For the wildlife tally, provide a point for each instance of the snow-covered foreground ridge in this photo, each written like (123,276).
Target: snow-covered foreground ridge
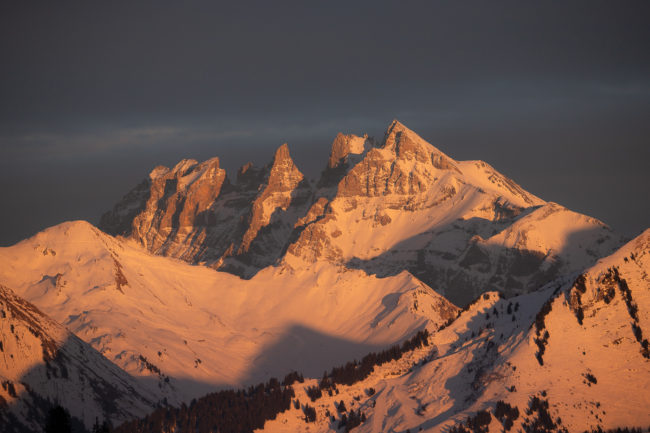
(540,362)
(43,364)
(594,372)
(192,328)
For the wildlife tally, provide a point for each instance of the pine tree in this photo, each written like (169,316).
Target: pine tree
(58,421)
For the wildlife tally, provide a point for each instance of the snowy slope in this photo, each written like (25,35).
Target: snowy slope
(594,374)
(42,364)
(191,328)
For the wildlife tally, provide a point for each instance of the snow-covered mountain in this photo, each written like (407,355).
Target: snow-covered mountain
(190,329)
(197,283)
(576,350)
(459,226)
(42,364)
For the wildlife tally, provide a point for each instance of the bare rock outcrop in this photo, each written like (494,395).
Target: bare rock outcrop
(193,212)
(404,165)
(179,206)
(285,183)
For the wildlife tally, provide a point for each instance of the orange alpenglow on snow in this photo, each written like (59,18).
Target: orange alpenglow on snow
(195,283)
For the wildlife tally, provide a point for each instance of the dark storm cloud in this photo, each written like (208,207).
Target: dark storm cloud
(93,95)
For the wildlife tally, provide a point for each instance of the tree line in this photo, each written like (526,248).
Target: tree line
(228,411)
(244,410)
(356,371)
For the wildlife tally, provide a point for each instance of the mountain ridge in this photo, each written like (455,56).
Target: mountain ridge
(206,284)
(542,353)
(203,329)
(371,200)
(529,363)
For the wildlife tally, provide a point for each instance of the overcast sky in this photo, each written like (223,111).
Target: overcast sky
(93,95)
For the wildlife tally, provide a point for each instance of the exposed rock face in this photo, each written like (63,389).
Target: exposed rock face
(178,207)
(344,148)
(460,226)
(283,186)
(405,165)
(193,212)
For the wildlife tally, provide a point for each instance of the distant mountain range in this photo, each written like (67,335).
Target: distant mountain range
(459,226)
(195,283)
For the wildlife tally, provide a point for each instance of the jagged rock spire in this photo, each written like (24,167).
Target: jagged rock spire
(283,179)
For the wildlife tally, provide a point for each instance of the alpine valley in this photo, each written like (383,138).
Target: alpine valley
(436,295)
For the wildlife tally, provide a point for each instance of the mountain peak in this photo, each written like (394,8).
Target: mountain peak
(276,194)
(184,165)
(344,145)
(158,171)
(284,174)
(396,126)
(281,154)
(397,129)
(408,145)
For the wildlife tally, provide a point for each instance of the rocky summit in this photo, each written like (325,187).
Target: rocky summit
(400,204)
